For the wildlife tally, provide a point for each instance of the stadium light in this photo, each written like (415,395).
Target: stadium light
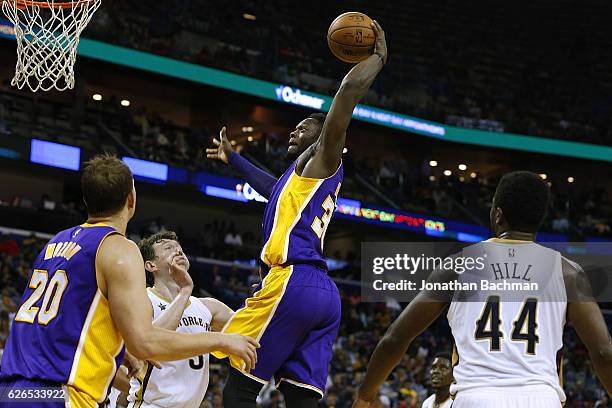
(248,16)
(125,102)
(250,138)
(544,176)
(433,163)
(462,179)
(233,143)
(247,129)
(570,179)
(473,174)
(97,97)
(462,167)
(447,172)
(345,150)
(432,178)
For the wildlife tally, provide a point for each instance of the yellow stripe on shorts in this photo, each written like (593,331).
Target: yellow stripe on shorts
(259,309)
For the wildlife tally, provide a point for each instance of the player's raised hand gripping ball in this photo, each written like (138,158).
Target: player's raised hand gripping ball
(351,37)
(380,46)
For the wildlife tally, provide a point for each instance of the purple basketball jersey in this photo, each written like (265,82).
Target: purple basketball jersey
(63,332)
(296,218)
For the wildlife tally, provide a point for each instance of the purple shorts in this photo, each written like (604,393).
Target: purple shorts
(295,316)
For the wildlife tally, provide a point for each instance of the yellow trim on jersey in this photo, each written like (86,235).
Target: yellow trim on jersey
(302,385)
(153,290)
(295,196)
(313,178)
(94,365)
(143,379)
(509,241)
(253,319)
(561,373)
(159,295)
(255,378)
(97,224)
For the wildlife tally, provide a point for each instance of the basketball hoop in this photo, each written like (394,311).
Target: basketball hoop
(47,34)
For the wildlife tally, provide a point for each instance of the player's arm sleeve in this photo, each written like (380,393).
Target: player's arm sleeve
(586,317)
(260,180)
(170,318)
(120,263)
(353,88)
(221,313)
(418,315)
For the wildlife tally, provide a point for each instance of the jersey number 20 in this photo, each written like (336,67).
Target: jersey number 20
(524,328)
(52,291)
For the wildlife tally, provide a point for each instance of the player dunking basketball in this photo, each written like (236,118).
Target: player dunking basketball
(295,314)
(506,344)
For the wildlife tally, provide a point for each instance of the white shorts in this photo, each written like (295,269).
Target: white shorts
(531,396)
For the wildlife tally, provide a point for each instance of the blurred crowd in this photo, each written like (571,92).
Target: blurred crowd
(531,68)
(362,326)
(576,211)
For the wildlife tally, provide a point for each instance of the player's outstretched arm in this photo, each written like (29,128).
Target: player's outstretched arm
(122,277)
(418,315)
(353,88)
(584,313)
(221,313)
(260,180)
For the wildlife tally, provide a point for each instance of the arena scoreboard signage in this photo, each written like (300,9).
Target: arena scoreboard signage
(147,169)
(294,96)
(355,210)
(55,154)
(213,185)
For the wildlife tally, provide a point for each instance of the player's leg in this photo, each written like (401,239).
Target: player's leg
(304,374)
(240,391)
(299,397)
(275,315)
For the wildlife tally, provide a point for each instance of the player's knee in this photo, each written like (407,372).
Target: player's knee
(299,397)
(240,391)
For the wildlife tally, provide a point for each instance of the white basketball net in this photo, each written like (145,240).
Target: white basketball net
(47,33)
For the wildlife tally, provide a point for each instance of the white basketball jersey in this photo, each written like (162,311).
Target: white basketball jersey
(513,342)
(431,403)
(178,384)
(112,398)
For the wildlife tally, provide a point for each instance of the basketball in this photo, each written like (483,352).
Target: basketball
(350,37)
